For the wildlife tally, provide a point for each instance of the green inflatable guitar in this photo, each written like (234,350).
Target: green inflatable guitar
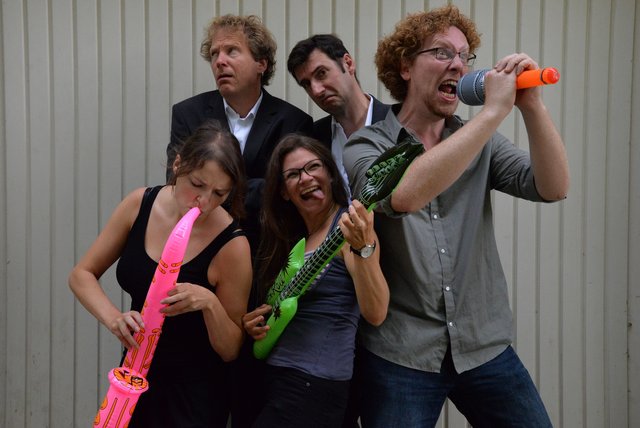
(293,281)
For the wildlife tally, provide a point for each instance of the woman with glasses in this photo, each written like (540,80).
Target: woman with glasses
(309,369)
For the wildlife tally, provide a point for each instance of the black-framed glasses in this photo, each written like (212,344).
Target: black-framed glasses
(447,55)
(312,167)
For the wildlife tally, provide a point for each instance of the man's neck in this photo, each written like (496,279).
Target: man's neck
(243,103)
(355,114)
(428,128)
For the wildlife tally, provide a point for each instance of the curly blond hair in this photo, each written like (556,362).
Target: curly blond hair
(401,46)
(260,40)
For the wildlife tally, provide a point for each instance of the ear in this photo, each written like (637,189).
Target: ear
(405,72)
(176,164)
(262,65)
(349,63)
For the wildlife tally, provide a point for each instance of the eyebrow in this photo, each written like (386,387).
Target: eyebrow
(304,82)
(204,183)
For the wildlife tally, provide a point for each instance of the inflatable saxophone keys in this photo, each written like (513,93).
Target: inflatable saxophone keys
(383,177)
(128,382)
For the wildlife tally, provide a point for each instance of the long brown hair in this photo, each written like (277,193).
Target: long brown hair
(282,224)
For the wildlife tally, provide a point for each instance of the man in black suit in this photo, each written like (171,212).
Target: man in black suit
(324,68)
(241,51)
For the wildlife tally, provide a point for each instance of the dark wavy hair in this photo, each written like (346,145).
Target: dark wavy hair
(260,40)
(401,46)
(282,224)
(212,142)
(328,44)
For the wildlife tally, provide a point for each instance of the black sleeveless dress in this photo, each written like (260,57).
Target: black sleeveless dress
(186,374)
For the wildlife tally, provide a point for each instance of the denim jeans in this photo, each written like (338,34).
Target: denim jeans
(499,393)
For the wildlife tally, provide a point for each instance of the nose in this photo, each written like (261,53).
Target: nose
(219,60)
(304,175)
(203,199)
(457,63)
(316,88)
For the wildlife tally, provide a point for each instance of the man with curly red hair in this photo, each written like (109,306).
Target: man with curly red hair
(449,327)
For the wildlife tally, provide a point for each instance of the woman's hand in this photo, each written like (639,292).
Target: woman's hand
(186,297)
(125,325)
(357,225)
(254,322)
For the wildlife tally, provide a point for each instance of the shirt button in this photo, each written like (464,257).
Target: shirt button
(450,323)
(447,288)
(435,216)
(442,250)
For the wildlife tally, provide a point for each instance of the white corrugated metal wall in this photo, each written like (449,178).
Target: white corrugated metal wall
(85,99)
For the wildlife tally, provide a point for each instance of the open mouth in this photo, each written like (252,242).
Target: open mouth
(448,89)
(309,192)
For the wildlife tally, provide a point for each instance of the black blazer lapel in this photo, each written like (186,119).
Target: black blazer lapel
(380,111)
(215,110)
(260,130)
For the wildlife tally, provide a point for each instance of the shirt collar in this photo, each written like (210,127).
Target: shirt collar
(233,115)
(335,125)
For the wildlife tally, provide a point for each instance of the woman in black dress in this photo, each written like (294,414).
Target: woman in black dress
(203,326)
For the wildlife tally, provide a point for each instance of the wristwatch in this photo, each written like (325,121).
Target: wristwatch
(365,251)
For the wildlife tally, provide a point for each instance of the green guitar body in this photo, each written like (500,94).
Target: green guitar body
(292,282)
(283,311)
(277,322)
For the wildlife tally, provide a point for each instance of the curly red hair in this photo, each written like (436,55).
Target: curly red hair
(401,46)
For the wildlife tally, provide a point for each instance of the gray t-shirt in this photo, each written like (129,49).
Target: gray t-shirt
(441,262)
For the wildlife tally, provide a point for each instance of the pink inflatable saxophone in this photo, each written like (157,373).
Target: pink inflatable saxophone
(129,380)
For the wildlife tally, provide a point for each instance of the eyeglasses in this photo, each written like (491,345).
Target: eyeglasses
(447,55)
(312,167)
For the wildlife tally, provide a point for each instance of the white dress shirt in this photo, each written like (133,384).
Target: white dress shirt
(241,126)
(339,139)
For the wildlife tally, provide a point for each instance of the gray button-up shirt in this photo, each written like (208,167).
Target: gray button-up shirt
(441,262)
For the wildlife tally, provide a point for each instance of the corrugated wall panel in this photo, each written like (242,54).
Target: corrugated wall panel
(549,241)
(617,203)
(3,235)
(62,233)
(594,213)
(16,149)
(572,316)
(633,302)
(85,99)
(85,214)
(38,214)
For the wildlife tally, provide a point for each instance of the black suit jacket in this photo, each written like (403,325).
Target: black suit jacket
(274,119)
(322,127)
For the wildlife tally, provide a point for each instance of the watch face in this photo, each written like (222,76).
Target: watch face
(367,251)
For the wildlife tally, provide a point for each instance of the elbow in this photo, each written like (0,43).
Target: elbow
(71,281)
(557,194)
(375,318)
(557,197)
(407,204)
(228,355)
(377,321)
(227,351)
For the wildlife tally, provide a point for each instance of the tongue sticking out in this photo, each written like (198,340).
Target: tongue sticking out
(315,193)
